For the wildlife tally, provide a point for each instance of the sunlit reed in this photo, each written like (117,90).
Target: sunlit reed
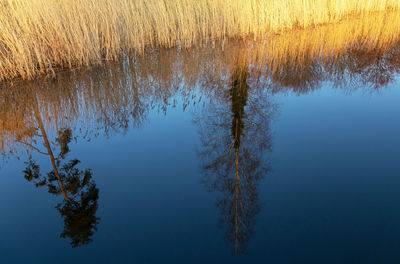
(40,37)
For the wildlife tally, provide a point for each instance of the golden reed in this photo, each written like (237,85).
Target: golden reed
(39,37)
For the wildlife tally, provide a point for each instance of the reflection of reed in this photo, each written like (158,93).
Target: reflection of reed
(300,60)
(104,98)
(365,50)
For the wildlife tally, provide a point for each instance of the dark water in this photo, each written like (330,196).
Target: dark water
(190,158)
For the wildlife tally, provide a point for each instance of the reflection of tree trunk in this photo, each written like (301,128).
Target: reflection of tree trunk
(236,227)
(50,152)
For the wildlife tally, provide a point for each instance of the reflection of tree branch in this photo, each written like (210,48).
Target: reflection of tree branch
(30,145)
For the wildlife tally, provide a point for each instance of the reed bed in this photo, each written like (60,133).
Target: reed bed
(39,37)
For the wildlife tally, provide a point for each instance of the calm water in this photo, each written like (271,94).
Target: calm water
(201,157)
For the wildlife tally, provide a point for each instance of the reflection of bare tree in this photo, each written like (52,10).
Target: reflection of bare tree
(80,193)
(234,134)
(299,78)
(375,67)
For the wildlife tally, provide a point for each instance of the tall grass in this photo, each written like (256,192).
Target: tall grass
(39,37)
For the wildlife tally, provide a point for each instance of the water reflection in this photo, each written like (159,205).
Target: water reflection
(234,132)
(79,206)
(236,83)
(375,67)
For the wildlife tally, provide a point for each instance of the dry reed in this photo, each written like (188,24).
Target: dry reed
(39,37)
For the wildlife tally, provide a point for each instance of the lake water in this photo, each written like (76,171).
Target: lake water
(224,154)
